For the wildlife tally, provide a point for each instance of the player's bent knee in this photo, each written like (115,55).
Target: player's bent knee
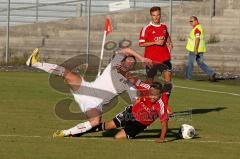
(94,122)
(72,77)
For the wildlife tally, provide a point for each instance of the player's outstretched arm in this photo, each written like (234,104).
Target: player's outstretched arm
(161,139)
(129,51)
(146,44)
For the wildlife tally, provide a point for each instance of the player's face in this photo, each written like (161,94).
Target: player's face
(156,15)
(154,95)
(128,63)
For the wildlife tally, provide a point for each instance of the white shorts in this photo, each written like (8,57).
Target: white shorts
(86,98)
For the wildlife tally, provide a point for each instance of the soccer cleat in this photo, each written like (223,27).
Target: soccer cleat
(58,134)
(33,58)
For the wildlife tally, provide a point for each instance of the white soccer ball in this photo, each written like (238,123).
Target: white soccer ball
(187,131)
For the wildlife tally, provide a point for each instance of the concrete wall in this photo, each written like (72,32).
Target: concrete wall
(220,5)
(61,40)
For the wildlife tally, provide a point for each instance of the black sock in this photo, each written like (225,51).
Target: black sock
(99,127)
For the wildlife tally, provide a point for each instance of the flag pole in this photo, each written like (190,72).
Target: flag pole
(101,56)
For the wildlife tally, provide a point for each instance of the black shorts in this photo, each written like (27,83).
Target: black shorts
(128,122)
(165,66)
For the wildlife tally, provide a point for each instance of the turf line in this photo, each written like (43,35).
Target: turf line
(206,90)
(23,136)
(135,140)
(153,140)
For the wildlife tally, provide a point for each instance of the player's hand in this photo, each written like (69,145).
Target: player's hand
(197,56)
(159,42)
(159,140)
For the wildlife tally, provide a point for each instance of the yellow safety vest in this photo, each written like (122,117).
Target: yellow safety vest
(191,40)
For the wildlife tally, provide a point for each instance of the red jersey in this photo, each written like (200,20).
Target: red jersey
(151,33)
(146,112)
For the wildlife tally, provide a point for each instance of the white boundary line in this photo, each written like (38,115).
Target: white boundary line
(23,136)
(206,90)
(135,140)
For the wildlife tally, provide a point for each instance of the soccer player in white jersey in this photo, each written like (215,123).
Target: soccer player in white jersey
(91,96)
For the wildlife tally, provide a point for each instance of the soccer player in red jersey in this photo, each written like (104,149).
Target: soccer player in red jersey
(157,42)
(134,119)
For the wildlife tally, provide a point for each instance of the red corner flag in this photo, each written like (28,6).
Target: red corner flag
(108,26)
(107,30)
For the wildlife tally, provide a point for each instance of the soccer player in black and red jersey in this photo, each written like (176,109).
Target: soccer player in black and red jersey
(157,42)
(134,119)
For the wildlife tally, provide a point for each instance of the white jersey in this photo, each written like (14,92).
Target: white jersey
(104,88)
(111,82)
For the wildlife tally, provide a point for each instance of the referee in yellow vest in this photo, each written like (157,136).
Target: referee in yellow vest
(196,46)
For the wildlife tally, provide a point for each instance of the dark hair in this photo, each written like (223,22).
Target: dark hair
(128,57)
(155,8)
(156,85)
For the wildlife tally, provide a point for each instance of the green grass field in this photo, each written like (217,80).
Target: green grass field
(28,120)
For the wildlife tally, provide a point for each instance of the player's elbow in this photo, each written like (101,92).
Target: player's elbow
(126,51)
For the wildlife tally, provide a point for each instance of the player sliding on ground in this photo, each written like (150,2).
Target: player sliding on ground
(91,96)
(134,119)
(148,107)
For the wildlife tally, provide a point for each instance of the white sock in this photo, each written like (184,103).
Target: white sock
(80,128)
(50,68)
